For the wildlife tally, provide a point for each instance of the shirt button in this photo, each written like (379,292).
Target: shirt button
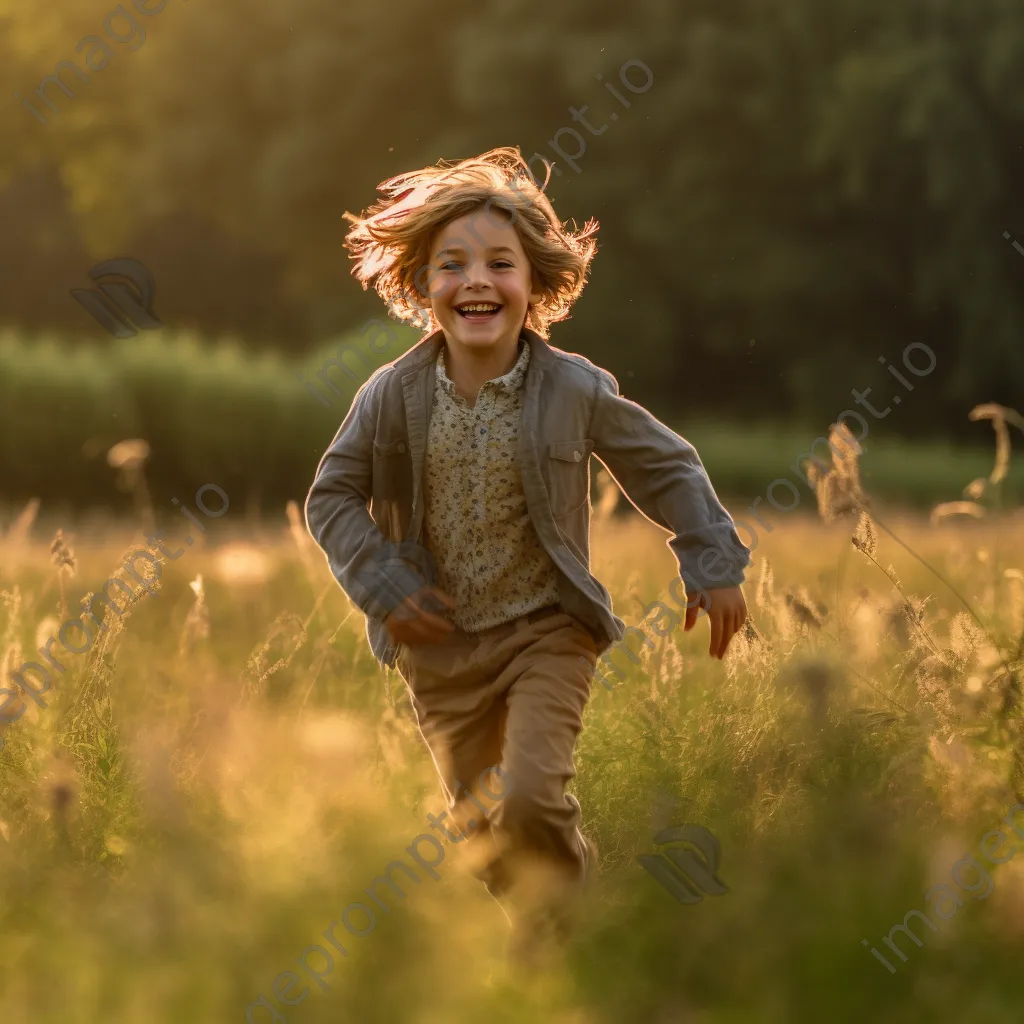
(576,456)
(401,447)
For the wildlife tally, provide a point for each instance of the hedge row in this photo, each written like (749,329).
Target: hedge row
(257,425)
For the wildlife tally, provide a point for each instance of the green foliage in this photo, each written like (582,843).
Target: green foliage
(216,413)
(211,414)
(803,188)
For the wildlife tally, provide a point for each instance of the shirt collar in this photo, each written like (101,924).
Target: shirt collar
(510,382)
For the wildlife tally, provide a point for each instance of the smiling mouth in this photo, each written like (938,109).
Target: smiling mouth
(478,310)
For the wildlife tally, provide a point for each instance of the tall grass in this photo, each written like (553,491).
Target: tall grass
(213,786)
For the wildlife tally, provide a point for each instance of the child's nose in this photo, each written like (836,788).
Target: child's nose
(477,273)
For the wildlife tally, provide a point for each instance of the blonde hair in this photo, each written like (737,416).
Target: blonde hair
(390,243)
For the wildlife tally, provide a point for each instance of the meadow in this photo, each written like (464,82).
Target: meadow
(227,769)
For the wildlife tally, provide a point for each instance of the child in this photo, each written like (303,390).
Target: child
(465,464)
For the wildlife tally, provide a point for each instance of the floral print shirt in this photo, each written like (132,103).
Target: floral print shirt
(489,557)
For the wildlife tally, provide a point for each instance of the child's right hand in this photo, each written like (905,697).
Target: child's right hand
(417,620)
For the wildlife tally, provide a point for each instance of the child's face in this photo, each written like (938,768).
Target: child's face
(478,260)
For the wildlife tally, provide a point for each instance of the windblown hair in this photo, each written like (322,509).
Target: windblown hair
(390,243)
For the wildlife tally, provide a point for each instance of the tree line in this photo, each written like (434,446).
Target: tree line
(795,189)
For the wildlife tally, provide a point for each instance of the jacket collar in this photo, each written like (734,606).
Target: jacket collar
(426,350)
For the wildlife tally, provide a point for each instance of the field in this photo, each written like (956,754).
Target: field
(227,769)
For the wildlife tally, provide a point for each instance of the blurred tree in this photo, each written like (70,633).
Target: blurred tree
(802,189)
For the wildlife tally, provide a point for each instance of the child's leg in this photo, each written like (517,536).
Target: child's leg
(461,714)
(537,825)
(514,695)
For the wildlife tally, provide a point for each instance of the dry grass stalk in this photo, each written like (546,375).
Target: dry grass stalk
(307,550)
(965,637)
(259,668)
(837,487)
(609,496)
(63,557)
(800,604)
(1000,416)
(846,453)
(22,525)
(956,508)
(765,595)
(89,722)
(864,537)
(197,622)
(10,600)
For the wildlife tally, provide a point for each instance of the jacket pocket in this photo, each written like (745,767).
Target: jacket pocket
(392,472)
(568,475)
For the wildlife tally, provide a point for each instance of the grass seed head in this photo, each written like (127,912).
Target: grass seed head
(864,537)
(765,594)
(800,606)
(62,554)
(846,453)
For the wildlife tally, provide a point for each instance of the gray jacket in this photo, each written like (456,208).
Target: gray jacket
(365,508)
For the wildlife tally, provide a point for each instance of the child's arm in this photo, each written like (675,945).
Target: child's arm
(662,476)
(374,573)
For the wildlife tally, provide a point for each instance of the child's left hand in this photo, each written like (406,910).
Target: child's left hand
(727,611)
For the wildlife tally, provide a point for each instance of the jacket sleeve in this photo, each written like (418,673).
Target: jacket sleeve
(663,477)
(375,573)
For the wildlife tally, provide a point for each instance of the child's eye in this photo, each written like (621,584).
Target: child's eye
(501,264)
(450,265)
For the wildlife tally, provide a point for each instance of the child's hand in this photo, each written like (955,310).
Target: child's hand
(417,620)
(727,612)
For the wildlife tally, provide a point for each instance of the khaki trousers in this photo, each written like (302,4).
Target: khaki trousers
(511,696)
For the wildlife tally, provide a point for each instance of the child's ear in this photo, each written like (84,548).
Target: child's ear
(536,294)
